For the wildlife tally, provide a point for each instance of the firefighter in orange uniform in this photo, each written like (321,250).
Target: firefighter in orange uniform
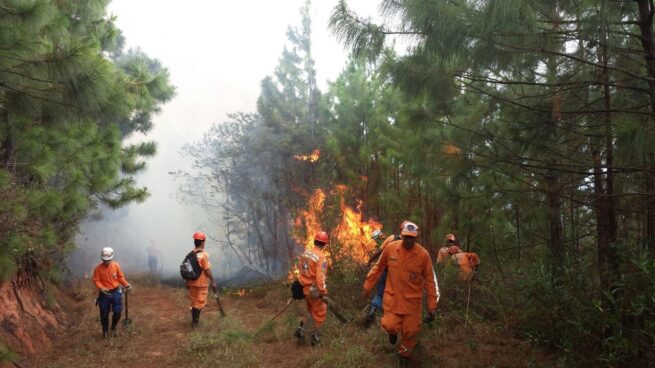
(452,244)
(409,273)
(387,240)
(453,254)
(376,301)
(108,278)
(313,269)
(468,263)
(199,288)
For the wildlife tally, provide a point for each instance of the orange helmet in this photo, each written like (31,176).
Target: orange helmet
(402,224)
(199,235)
(322,237)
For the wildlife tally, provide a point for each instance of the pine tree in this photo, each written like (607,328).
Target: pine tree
(255,181)
(68,97)
(550,100)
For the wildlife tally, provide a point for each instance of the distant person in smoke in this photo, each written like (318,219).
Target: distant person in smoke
(199,288)
(110,281)
(312,266)
(154,257)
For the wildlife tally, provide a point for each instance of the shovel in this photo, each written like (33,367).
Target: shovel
(220,306)
(127,321)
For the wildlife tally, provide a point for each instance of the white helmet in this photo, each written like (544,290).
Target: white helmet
(376,234)
(107,254)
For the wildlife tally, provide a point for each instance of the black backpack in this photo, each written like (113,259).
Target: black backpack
(190,268)
(296,291)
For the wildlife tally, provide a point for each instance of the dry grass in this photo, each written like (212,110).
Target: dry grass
(161,336)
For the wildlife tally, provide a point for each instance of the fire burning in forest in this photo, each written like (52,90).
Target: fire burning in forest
(312,157)
(354,234)
(312,219)
(351,239)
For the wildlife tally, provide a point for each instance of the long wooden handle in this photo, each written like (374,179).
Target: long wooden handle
(220,306)
(334,310)
(282,310)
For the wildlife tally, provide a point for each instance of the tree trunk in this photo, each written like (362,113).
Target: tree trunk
(553,183)
(6,145)
(604,199)
(646,12)
(518,233)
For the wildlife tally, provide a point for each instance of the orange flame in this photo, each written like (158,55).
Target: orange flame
(312,157)
(236,292)
(351,240)
(354,234)
(312,219)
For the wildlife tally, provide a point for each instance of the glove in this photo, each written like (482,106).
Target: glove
(429,318)
(366,293)
(128,287)
(104,291)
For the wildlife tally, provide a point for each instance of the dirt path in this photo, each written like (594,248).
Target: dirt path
(153,340)
(159,334)
(161,337)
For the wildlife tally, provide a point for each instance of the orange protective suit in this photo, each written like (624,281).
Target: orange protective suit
(466,262)
(199,288)
(409,273)
(313,269)
(388,240)
(108,276)
(443,255)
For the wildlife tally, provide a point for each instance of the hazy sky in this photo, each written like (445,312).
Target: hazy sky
(217,53)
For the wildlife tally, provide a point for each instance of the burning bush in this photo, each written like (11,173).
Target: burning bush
(350,234)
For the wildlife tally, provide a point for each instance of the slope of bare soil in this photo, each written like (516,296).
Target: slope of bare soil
(29,314)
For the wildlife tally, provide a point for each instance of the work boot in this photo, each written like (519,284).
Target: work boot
(393,339)
(300,332)
(114,320)
(104,321)
(195,317)
(114,333)
(316,338)
(370,317)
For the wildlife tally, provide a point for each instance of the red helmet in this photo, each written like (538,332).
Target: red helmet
(322,237)
(199,235)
